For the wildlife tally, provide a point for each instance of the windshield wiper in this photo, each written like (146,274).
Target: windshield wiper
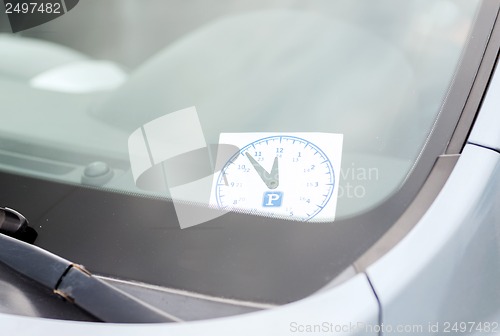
(69,280)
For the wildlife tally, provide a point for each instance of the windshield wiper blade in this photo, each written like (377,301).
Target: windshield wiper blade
(73,282)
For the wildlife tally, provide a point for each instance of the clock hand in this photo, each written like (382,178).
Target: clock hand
(271,180)
(258,168)
(275,176)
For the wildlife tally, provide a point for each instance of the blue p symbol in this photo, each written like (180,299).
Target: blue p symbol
(272,199)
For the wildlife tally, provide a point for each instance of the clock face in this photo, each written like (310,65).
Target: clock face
(282,176)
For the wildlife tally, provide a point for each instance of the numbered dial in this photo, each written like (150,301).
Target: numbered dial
(281,176)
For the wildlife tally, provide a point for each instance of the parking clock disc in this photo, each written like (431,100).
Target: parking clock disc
(277,175)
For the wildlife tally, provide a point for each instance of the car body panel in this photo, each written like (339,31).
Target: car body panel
(450,262)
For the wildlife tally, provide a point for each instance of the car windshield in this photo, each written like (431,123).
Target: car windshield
(312,111)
